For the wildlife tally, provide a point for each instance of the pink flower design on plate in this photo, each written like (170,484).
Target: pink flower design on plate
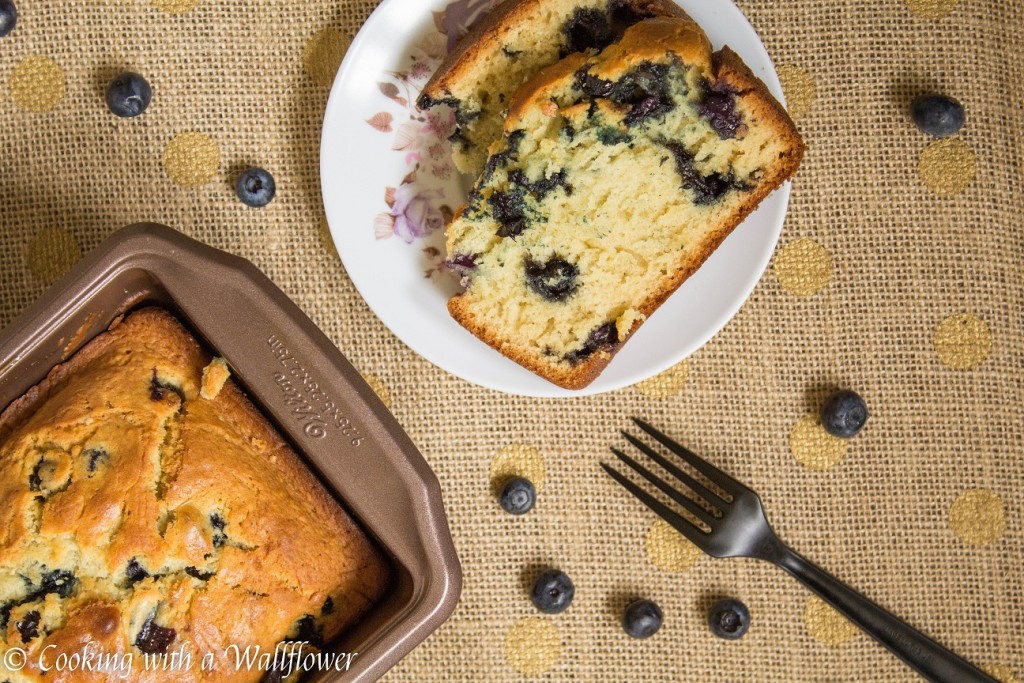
(441,122)
(420,69)
(414,212)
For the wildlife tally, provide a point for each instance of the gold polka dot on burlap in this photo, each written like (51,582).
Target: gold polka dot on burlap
(669,550)
(962,341)
(932,9)
(978,517)
(803,267)
(827,625)
(799,89)
(533,646)
(37,84)
(379,388)
(51,253)
(947,166)
(813,447)
(325,237)
(175,6)
(323,54)
(1001,673)
(518,460)
(665,384)
(192,158)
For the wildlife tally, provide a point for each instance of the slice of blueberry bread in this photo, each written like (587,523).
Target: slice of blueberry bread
(515,41)
(617,176)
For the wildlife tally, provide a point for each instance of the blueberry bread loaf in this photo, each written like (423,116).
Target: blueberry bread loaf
(141,518)
(515,41)
(617,176)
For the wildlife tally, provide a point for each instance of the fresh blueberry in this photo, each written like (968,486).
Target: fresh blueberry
(8,17)
(729,619)
(518,496)
(128,95)
(937,115)
(255,187)
(642,618)
(552,592)
(843,414)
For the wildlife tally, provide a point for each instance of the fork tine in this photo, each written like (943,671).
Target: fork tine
(691,506)
(728,484)
(699,488)
(680,523)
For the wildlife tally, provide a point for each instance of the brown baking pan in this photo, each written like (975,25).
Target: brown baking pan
(346,436)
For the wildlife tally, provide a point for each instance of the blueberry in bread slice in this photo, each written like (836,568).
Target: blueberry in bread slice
(617,176)
(516,40)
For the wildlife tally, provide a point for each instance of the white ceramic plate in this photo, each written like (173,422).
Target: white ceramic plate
(388,183)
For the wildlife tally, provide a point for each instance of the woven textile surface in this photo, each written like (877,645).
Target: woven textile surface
(900,273)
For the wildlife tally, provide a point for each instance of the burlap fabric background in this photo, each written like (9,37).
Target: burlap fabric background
(924,510)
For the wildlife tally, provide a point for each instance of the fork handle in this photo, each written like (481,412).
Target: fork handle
(923,654)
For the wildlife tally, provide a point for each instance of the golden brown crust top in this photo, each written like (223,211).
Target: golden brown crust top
(485,38)
(166,506)
(652,39)
(541,88)
(648,40)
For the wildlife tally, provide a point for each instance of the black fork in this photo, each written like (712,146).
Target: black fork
(731,522)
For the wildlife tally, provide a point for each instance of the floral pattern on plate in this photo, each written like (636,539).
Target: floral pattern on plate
(421,204)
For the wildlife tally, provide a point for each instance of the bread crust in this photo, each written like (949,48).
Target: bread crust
(485,38)
(647,40)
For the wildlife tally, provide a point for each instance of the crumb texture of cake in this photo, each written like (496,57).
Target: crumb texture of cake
(617,176)
(513,42)
(143,519)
